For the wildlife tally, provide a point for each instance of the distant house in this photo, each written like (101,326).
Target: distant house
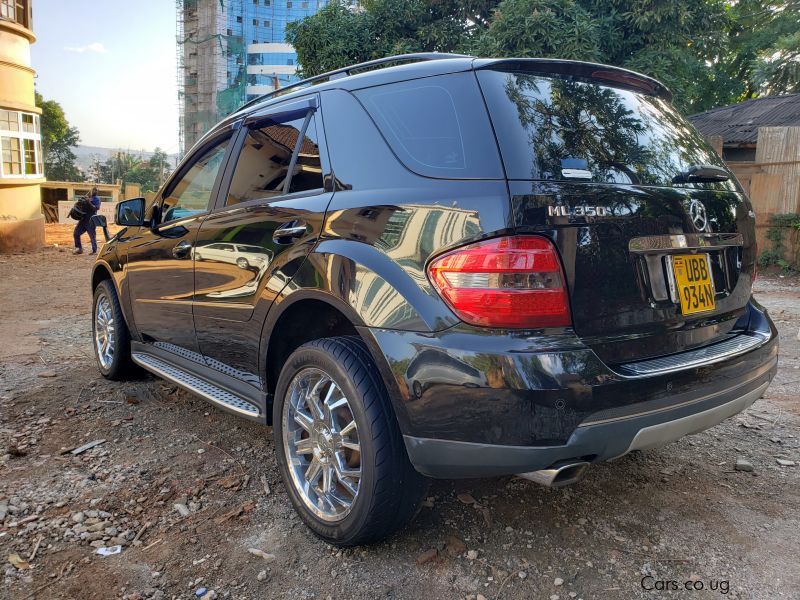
(736,126)
(760,141)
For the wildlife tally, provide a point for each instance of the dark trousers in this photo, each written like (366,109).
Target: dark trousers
(85,226)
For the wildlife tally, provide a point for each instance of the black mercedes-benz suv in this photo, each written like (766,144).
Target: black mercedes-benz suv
(444,266)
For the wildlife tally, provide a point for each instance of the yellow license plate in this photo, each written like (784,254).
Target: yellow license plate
(693,282)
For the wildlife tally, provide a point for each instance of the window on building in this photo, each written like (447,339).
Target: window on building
(229,32)
(21,144)
(9,120)
(288,5)
(267,3)
(28,123)
(12,163)
(255,21)
(266,23)
(289,61)
(239,19)
(15,10)
(30,156)
(263,165)
(255,41)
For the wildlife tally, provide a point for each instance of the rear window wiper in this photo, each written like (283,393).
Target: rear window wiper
(701,174)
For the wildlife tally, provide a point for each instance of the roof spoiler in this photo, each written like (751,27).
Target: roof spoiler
(613,76)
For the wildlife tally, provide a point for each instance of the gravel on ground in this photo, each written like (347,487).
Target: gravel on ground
(140,490)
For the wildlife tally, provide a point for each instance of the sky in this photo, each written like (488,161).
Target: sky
(111,65)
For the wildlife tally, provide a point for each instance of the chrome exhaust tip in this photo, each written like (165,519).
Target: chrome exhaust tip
(560,474)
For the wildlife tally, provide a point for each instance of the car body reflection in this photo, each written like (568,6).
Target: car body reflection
(243,256)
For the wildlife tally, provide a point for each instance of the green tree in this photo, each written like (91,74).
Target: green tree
(58,139)
(541,28)
(338,36)
(159,163)
(127,167)
(760,55)
(709,52)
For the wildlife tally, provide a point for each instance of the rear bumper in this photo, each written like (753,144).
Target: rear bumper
(476,403)
(591,443)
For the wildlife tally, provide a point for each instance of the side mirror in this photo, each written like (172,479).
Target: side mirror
(130,213)
(101,222)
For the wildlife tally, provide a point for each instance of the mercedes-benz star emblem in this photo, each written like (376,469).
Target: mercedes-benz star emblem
(697,213)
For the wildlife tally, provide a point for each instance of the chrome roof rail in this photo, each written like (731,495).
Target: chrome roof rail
(352,69)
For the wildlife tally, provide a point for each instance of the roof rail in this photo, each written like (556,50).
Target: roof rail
(352,69)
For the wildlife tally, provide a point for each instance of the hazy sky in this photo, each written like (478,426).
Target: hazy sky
(111,65)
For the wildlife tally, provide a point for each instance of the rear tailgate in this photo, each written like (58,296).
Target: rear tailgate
(596,166)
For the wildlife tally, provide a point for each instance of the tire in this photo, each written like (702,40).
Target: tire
(389,489)
(119,365)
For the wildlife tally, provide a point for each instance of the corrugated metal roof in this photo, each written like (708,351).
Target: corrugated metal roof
(739,123)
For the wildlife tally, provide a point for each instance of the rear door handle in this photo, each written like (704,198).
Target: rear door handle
(182,250)
(287,233)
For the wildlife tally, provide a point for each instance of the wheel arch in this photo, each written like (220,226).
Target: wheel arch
(302,316)
(287,329)
(102,271)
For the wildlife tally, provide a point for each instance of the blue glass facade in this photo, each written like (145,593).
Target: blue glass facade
(258,57)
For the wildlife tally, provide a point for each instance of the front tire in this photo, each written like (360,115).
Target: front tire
(112,340)
(338,445)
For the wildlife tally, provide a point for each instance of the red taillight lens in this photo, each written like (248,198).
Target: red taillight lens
(509,282)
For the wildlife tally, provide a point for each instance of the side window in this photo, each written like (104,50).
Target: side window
(437,126)
(192,193)
(263,165)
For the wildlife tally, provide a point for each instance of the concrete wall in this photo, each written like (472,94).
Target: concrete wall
(107,209)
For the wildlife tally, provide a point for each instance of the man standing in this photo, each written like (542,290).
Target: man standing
(85,225)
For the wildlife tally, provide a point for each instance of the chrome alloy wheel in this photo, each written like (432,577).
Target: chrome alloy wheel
(320,440)
(104,334)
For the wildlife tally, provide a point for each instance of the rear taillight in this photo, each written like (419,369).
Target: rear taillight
(509,282)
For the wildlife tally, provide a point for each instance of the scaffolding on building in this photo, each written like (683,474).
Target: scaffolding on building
(215,70)
(207,90)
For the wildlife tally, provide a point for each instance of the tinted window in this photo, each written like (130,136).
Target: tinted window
(437,126)
(263,164)
(191,194)
(552,128)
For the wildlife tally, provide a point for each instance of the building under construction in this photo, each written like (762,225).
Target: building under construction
(230,51)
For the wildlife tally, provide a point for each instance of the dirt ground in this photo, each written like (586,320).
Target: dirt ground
(188,491)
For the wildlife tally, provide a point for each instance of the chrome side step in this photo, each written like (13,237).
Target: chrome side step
(194,384)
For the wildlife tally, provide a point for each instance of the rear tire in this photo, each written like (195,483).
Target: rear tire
(110,335)
(388,490)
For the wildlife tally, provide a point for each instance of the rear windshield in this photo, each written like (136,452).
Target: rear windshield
(551,128)
(437,126)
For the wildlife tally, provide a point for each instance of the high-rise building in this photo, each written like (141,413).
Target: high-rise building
(21,171)
(230,51)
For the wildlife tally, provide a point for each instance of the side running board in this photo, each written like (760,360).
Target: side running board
(196,385)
